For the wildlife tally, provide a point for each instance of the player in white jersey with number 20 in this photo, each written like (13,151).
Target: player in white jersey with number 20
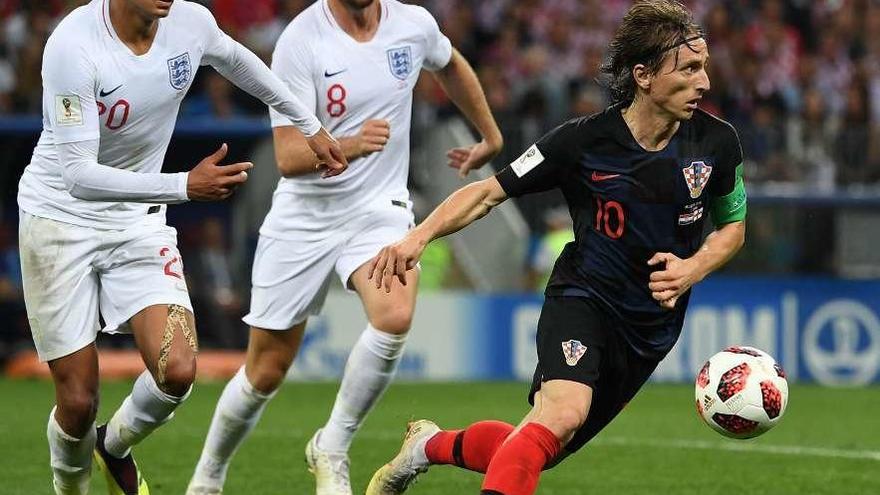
(356,63)
(93,237)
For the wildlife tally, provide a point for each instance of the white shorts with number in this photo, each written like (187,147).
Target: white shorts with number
(72,273)
(291,276)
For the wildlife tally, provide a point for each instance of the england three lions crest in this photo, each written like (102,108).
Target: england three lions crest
(400,62)
(696,175)
(179,71)
(573,351)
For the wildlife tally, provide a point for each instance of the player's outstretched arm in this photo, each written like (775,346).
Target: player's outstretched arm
(463,87)
(460,209)
(249,73)
(244,69)
(679,275)
(295,157)
(86,179)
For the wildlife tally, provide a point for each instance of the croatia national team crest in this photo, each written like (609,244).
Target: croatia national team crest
(696,175)
(179,71)
(573,351)
(400,62)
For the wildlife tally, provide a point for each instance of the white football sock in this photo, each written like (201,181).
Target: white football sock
(371,366)
(70,458)
(144,410)
(238,411)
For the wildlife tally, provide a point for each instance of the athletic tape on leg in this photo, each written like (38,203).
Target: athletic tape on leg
(176,319)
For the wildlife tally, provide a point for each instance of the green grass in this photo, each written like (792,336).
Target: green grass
(656,446)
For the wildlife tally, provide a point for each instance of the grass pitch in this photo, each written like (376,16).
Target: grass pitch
(828,443)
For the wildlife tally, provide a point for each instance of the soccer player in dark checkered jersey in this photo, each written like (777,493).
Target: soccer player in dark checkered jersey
(640,179)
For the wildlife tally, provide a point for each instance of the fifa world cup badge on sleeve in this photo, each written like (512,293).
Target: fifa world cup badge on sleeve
(68,110)
(179,71)
(573,351)
(529,160)
(696,175)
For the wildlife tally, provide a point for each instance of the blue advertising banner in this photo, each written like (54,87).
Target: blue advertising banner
(821,330)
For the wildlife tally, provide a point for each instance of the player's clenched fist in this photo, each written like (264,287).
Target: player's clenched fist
(394,260)
(677,276)
(331,159)
(209,181)
(373,136)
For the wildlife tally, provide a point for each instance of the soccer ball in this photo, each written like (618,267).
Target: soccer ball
(741,392)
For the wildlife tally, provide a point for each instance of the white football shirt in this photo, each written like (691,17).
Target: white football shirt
(94,87)
(347,83)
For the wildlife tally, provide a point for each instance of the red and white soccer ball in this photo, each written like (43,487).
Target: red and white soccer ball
(741,392)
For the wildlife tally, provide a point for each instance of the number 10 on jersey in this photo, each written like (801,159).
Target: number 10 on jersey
(610,218)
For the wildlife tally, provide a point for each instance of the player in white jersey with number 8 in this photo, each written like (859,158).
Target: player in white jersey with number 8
(356,63)
(93,238)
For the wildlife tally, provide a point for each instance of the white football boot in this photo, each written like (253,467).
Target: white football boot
(396,476)
(330,469)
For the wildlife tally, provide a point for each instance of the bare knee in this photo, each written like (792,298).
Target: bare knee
(270,354)
(395,321)
(179,375)
(266,372)
(176,366)
(563,418)
(76,411)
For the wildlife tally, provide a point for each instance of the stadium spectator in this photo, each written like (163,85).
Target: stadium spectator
(14,331)
(550,245)
(26,33)
(776,45)
(244,20)
(853,139)
(214,288)
(810,140)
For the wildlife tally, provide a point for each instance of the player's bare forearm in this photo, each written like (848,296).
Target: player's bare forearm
(460,209)
(243,68)
(719,247)
(460,82)
(292,153)
(295,157)
(351,147)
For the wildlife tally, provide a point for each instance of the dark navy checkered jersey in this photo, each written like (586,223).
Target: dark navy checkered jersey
(628,204)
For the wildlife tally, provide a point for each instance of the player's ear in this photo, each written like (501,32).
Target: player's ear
(642,76)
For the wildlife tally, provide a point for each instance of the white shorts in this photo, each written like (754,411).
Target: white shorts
(291,277)
(72,273)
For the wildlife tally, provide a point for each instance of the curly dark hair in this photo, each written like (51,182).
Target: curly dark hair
(648,31)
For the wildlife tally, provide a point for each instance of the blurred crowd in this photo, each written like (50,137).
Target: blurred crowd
(799,79)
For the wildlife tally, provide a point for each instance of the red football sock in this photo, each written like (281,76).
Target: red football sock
(471,448)
(517,465)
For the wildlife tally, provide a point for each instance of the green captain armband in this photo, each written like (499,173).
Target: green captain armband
(732,207)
